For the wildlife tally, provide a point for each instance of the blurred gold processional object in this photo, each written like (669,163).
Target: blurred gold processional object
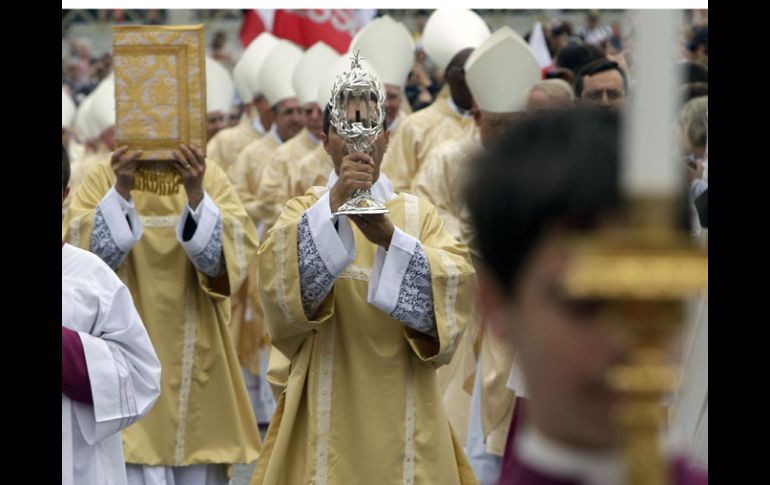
(646,267)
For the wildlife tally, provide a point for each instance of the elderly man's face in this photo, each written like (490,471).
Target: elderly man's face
(604,90)
(215,121)
(314,119)
(288,119)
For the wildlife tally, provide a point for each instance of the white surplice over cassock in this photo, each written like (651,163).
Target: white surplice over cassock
(123,370)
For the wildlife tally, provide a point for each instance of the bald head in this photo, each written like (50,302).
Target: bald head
(551,94)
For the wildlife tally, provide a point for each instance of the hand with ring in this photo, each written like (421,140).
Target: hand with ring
(191,165)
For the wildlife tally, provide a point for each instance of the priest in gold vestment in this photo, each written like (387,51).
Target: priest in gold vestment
(176,234)
(181,256)
(366,308)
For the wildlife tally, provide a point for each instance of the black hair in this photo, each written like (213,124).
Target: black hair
(574,56)
(595,67)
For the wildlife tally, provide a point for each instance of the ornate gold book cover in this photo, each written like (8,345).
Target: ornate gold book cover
(160,88)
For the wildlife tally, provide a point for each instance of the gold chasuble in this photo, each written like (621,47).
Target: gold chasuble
(361,403)
(203,414)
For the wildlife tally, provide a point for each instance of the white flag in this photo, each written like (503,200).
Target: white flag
(539,46)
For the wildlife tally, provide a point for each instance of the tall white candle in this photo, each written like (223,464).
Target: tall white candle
(650,169)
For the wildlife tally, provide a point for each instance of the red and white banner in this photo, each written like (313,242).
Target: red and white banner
(304,27)
(254,23)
